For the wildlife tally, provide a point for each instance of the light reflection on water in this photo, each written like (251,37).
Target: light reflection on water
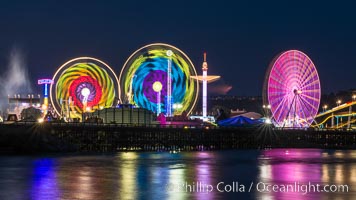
(44,180)
(135,175)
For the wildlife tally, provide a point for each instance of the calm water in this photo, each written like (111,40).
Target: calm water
(188,175)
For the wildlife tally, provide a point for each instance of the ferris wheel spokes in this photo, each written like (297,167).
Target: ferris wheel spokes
(293,90)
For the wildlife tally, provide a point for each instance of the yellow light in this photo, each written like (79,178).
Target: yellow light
(209,79)
(72,61)
(45,100)
(44,107)
(40,120)
(157,86)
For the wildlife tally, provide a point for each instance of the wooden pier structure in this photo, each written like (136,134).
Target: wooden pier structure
(89,137)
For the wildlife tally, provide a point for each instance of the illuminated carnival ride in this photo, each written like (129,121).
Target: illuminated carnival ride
(157,77)
(292,90)
(205,79)
(83,85)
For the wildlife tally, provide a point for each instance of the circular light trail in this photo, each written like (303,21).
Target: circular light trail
(293,90)
(81,85)
(147,66)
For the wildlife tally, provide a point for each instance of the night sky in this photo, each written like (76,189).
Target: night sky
(240,38)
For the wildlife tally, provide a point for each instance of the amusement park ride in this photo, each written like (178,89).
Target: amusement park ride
(157,77)
(292,93)
(292,89)
(83,85)
(45,83)
(205,79)
(329,117)
(161,79)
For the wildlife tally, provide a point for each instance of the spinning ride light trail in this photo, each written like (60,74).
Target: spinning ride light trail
(157,87)
(83,84)
(292,87)
(129,94)
(169,66)
(85,92)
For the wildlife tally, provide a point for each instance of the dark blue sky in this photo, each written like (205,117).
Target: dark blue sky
(241,38)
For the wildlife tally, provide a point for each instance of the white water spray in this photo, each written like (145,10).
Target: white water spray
(14,79)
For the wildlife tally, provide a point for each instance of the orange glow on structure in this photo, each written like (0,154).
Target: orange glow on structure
(209,79)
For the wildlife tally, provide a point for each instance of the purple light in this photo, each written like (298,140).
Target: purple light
(81,87)
(44,81)
(148,82)
(291,168)
(293,90)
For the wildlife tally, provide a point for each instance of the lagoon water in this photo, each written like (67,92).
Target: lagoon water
(238,174)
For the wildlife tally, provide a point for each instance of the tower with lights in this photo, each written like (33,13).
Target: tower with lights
(45,83)
(169,84)
(205,79)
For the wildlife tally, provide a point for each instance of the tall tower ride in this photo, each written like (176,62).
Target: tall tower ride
(205,79)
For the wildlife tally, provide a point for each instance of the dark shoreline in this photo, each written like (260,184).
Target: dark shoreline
(29,138)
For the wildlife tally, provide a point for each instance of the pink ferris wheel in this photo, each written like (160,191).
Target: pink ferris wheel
(293,90)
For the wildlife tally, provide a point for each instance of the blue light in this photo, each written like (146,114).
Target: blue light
(46,90)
